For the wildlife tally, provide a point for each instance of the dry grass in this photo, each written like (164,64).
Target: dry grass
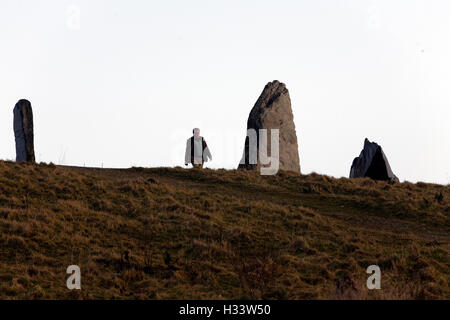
(189,234)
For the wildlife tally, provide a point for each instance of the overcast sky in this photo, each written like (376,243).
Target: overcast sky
(122,83)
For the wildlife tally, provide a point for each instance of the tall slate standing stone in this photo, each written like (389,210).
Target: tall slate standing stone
(273,111)
(23,131)
(372,163)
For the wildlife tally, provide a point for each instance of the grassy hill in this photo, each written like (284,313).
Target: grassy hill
(217,234)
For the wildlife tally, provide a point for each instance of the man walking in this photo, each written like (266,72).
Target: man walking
(197,151)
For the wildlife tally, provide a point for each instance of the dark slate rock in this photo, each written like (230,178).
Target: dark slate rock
(23,131)
(372,163)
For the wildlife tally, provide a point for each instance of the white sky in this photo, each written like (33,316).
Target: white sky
(126,85)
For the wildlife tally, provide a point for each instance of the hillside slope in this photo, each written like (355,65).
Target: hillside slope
(217,234)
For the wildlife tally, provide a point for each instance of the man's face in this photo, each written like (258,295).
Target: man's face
(197,132)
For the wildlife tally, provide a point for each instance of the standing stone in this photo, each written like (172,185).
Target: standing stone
(23,131)
(372,163)
(273,111)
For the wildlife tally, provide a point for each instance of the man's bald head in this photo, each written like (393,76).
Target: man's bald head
(196,132)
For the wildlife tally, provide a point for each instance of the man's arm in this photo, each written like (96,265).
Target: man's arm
(206,152)
(187,155)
